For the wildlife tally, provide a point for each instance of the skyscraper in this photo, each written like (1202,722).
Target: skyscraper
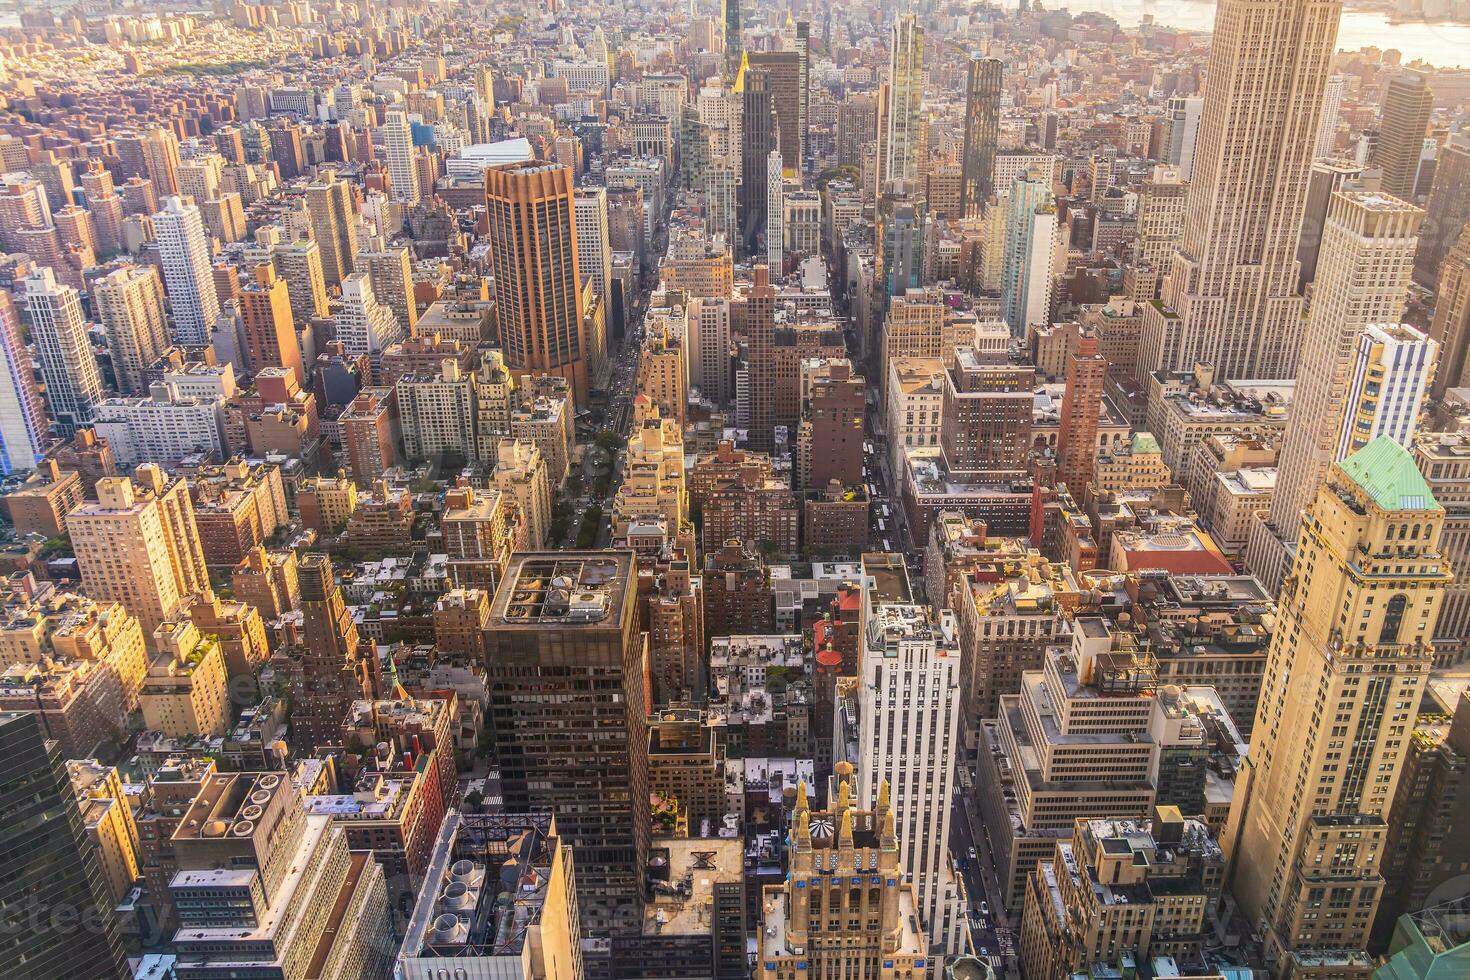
(1367,248)
(1328,176)
(533,256)
(1407,104)
(1030,249)
(1348,662)
(60,920)
(1451,325)
(391,272)
(982,133)
(1087,370)
(328,670)
(22,411)
(300,264)
(567,713)
(783,75)
(129,302)
(903,115)
(1449,202)
(1331,109)
(760,327)
(775,211)
(758,137)
(183,250)
(594,252)
(1387,385)
(329,201)
(804,56)
(403,169)
(364,324)
(734,39)
(68,366)
(270,329)
(139,545)
(1232,287)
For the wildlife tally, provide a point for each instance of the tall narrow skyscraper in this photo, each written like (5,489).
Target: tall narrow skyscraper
(734,40)
(270,329)
(60,920)
(22,411)
(329,200)
(183,250)
(1087,371)
(1231,293)
(328,669)
(903,113)
(775,206)
(758,137)
(1407,104)
(982,133)
(68,366)
(533,256)
(398,145)
(1348,662)
(1331,110)
(1030,249)
(1451,325)
(1368,244)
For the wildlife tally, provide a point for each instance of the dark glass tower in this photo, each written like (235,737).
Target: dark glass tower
(759,136)
(982,132)
(734,44)
(57,921)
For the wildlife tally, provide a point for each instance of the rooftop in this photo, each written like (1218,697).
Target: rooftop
(1386,472)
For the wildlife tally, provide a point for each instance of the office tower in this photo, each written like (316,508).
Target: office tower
(183,250)
(1331,109)
(835,408)
(760,328)
(734,38)
(1449,202)
(1388,382)
(1327,178)
(569,719)
(783,73)
(758,137)
(1367,248)
(1451,324)
(775,212)
(533,256)
(1087,370)
(62,922)
(709,348)
(902,220)
(1407,104)
(1182,133)
(402,166)
(821,916)
(986,416)
(857,126)
(364,325)
(329,670)
(804,57)
(594,252)
(1230,298)
(270,329)
(300,264)
(907,731)
(333,224)
(983,88)
(902,114)
(138,545)
(1348,662)
(23,423)
(391,273)
(68,366)
(129,302)
(1031,235)
(1159,223)
(1446,467)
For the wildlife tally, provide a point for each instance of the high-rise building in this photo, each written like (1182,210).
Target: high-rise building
(1329,175)
(129,302)
(1159,223)
(823,915)
(758,137)
(1087,371)
(62,920)
(783,72)
(1230,298)
(364,324)
(1387,384)
(760,327)
(1451,324)
(594,251)
(1348,662)
(1368,245)
(734,37)
(1407,104)
(138,545)
(1449,202)
(804,59)
(300,264)
(569,719)
(1445,463)
(983,88)
(907,732)
(533,256)
(183,250)
(1331,111)
(68,366)
(329,670)
(1182,133)
(23,424)
(402,166)
(903,112)
(391,272)
(775,211)
(987,415)
(333,224)
(1027,274)
(270,329)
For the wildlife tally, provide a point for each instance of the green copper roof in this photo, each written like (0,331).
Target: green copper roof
(1143,443)
(1386,471)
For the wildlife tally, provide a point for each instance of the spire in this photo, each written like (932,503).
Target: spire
(883,794)
(842,797)
(801,802)
(888,832)
(844,835)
